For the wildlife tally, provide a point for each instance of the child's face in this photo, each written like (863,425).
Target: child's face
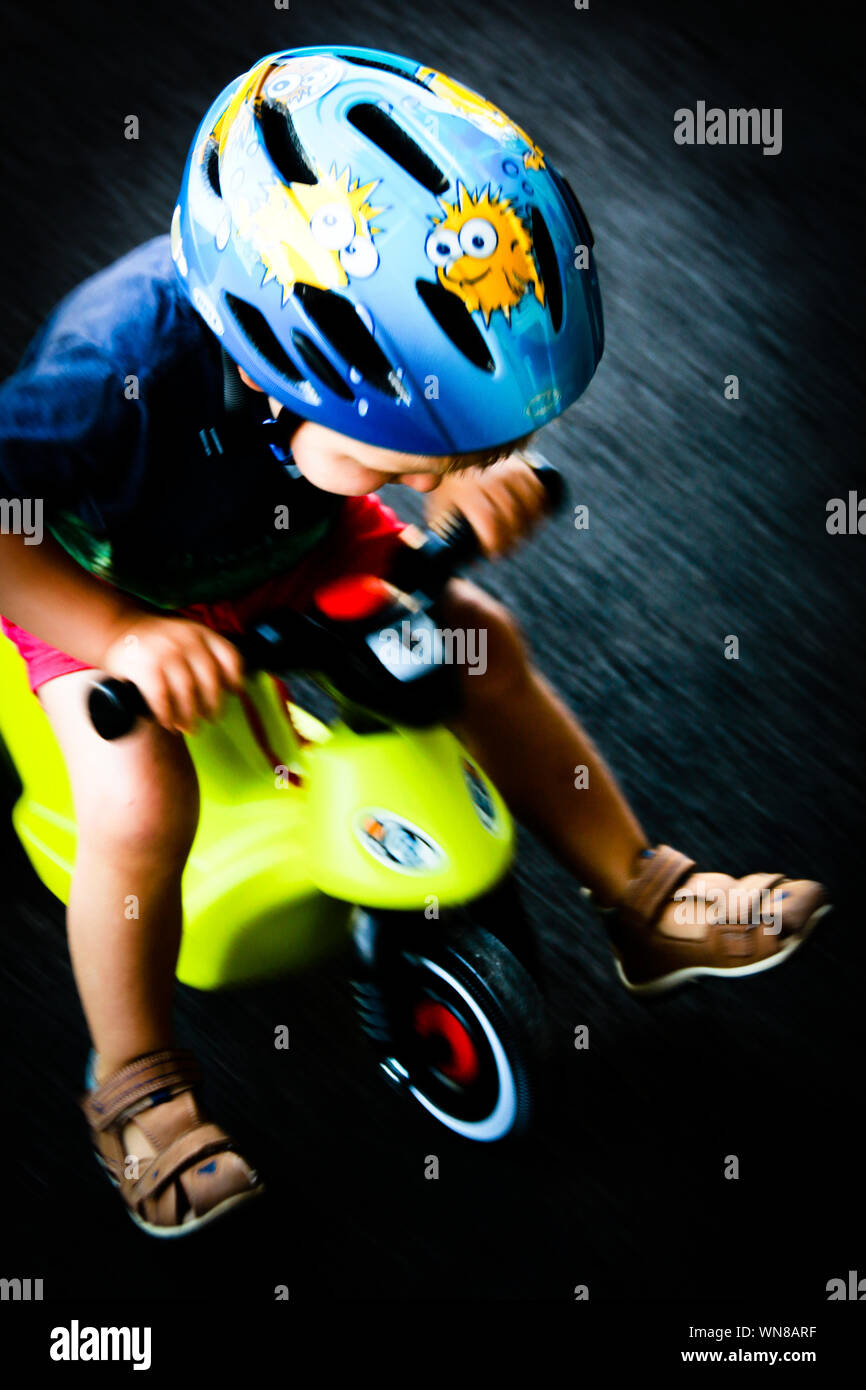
(336,463)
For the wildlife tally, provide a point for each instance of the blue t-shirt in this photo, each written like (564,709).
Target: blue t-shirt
(116,419)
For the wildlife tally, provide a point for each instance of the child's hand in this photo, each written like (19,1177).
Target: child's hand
(180,667)
(502,503)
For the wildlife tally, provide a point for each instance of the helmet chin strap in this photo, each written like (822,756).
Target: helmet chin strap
(245,409)
(242,403)
(235,394)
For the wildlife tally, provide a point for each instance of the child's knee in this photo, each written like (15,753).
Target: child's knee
(145,808)
(493,637)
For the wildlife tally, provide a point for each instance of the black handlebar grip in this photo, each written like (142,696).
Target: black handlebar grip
(554,484)
(115,707)
(456,532)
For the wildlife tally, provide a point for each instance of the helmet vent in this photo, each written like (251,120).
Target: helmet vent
(579,217)
(258,332)
(339,322)
(383,130)
(211,167)
(283,144)
(545,254)
(318,363)
(456,323)
(385,67)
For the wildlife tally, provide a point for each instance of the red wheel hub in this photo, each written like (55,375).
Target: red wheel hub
(434,1021)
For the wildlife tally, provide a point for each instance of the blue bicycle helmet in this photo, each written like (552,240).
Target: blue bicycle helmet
(386,253)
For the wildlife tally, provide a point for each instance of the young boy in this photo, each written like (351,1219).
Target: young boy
(417,341)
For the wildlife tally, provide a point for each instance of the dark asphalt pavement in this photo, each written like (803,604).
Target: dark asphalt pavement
(707,519)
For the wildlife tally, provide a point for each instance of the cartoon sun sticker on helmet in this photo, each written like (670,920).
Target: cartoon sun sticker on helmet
(483,253)
(320,233)
(483,114)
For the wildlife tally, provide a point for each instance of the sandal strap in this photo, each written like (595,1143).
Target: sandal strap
(664,869)
(174,1070)
(204,1141)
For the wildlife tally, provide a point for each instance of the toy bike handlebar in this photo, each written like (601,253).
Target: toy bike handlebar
(303,641)
(457,532)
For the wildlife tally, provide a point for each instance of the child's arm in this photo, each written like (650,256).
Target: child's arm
(43,590)
(181,667)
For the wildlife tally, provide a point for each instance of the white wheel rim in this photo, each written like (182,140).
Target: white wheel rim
(502,1116)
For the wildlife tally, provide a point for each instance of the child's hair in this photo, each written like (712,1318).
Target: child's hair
(483,458)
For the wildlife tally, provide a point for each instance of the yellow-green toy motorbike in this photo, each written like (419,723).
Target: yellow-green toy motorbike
(380,825)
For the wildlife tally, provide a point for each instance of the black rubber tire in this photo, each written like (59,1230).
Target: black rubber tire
(495,999)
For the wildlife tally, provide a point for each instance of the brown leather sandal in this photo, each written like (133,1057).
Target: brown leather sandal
(738,927)
(194,1176)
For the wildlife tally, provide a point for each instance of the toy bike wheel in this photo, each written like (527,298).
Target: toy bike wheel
(458,1023)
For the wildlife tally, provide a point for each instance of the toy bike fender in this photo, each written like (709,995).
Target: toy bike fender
(396,818)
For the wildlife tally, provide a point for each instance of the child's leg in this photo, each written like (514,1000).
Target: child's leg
(136,804)
(670,923)
(531,745)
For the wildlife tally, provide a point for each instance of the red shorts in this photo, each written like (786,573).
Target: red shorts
(362,542)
